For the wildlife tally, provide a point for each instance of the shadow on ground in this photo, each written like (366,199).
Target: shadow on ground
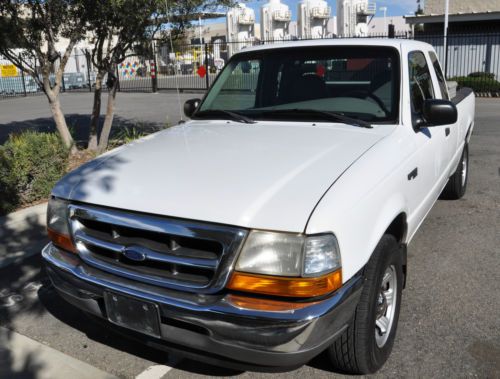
(20,282)
(78,125)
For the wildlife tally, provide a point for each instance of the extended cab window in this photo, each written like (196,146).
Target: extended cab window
(420,81)
(440,76)
(299,83)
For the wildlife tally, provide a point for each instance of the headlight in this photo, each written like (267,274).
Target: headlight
(57,224)
(272,254)
(321,255)
(287,254)
(57,216)
(286,264)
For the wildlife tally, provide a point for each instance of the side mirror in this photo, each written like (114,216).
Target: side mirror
(190,106)
(439,112)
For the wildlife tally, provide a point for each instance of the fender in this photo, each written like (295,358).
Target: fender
(359,229)
(394,207)
(469,131)
(458,154)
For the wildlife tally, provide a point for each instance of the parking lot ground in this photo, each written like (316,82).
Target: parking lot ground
(141,110)
(449,323)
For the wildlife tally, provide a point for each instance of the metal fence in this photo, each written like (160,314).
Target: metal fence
(473,61)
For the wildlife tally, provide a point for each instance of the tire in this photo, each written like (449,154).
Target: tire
(457,184)
(358,350)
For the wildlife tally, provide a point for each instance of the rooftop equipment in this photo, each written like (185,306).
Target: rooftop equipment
(240,28)
(274,20)
(353,17)
(313,16)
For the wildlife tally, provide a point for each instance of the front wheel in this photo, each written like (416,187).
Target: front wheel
(367,342)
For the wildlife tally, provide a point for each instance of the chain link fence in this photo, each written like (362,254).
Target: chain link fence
(473,61)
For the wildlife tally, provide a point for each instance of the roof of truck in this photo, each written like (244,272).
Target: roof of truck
(391,42)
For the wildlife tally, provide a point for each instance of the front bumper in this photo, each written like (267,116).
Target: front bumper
(214,328)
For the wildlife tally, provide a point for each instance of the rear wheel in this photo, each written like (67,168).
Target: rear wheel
(366,344)
(457,184)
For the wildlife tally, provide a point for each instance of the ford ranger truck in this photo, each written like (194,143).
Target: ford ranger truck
(274,225)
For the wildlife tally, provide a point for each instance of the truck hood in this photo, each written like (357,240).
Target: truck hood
(267,175)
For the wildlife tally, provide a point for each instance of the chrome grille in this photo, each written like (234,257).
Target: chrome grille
(166,252)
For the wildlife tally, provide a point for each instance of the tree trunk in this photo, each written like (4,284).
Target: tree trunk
(108,120)
(62,127)
(96,113)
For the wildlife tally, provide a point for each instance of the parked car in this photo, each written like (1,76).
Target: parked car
(274,225)
(14,85)
(75,80)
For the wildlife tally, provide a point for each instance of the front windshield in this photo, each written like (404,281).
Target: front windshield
(361,82)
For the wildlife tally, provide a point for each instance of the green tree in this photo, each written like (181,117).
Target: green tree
(117,28)
(30,31)
(122,28)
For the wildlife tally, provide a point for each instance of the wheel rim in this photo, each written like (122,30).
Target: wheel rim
(464,169)
(386,306)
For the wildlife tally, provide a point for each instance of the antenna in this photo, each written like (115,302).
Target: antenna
(176,76)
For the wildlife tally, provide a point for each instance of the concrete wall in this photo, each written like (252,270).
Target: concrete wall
(376,26)
(461,6)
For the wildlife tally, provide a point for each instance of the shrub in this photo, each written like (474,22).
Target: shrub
(30,164)
(486,75)
(9,199)
(478,84)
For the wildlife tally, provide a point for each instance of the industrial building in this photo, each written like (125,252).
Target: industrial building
(472,16)
(311,19)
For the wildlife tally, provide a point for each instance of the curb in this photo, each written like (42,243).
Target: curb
(27,358)
(22,234)
(19,219)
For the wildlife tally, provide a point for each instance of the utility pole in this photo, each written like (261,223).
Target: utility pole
(384,9)
(446,11)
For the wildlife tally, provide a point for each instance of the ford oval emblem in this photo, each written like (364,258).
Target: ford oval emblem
(134,255)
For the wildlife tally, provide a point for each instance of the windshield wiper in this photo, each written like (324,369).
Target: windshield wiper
(326,114)
(232,115)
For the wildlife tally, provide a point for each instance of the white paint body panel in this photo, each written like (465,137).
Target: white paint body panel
(287,176)
(267,175)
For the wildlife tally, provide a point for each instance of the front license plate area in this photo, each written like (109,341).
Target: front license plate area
(138,315)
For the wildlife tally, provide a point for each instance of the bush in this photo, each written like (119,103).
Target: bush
(30,165)
(478,84)
(486,75)
(9,199)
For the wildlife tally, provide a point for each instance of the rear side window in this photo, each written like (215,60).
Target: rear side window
(420,81)
(440,76)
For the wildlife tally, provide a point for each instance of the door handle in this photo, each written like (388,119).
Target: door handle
(413,174)
(447,131)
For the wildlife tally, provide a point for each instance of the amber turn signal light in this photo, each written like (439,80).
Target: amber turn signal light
(61,240)
(286,286)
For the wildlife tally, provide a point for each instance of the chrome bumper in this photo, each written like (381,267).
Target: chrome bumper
(214,326)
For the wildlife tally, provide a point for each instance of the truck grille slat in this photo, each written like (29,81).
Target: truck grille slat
(165,252)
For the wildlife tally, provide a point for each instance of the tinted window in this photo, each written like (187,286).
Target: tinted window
(360,82)
(237,86)
(420,81)
(440,76)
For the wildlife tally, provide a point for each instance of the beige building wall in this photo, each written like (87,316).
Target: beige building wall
(436,7)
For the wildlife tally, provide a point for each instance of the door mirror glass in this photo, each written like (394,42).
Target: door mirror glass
(439,112)
(190,106)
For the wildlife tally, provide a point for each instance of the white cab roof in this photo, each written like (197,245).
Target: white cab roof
(391,42)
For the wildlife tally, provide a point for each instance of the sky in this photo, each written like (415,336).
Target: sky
(394,7)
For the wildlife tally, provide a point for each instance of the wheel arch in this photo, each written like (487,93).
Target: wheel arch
(393,221)
(399,229)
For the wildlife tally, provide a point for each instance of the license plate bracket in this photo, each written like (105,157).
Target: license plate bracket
(129,312)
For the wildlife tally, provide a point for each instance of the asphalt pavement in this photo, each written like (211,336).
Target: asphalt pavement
(449,323)
(149,111)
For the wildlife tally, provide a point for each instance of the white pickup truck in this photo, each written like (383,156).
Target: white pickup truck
(274,225)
